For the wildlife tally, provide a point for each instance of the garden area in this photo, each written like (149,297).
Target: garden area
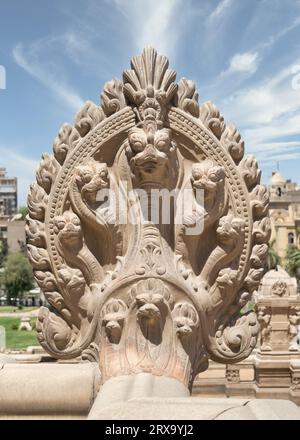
(18,339)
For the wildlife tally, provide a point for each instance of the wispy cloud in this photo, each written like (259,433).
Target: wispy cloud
(221,9)
(243,62)
(28,59)
(269,114)
(282,33)
(152,23)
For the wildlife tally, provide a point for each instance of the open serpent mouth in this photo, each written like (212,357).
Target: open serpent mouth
(149,164)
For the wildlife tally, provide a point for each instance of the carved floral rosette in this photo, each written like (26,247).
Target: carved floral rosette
(147,296)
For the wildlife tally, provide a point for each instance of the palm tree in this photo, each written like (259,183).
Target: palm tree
(293,261)
(273,259)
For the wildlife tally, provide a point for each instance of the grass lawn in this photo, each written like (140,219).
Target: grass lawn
(16,339)
(13,309)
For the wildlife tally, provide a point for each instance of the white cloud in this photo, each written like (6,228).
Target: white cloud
(244,62)
(151,22)
(221,9)
(268,113)
(28,59)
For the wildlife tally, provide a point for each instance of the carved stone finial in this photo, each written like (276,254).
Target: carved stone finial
(147,231)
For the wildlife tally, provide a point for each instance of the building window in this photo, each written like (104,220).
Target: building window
(279,192)
(290,238)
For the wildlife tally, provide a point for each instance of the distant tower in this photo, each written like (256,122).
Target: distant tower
(284,213)
(8,194)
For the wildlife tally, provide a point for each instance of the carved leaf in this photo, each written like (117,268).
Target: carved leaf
(35,232)
(150,85)
(45,280)
(262,230)
(237,340)
(53,329)
(66,140)
(231,139)
(38,257)
(259,254)
(47,172)
(260,201)
(253,279)
(37,202)
(90,116)
(188,97)
(250,172)
(112,96)
(56,300)
(212,119)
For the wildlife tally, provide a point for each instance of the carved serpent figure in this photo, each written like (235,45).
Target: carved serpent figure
(151,133)
(72,247)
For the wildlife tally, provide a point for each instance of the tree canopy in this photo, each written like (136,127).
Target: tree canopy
(17,277)
(293,261)
(23,210)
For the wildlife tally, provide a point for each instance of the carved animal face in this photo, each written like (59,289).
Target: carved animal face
(185,319)
(73,279)
(279,288)
(230,229)
(149,304)
(148,151)
(113,319)
(68,228)
(91,178)
(206,176)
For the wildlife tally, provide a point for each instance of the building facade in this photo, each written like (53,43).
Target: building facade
(284,213)
(8,194)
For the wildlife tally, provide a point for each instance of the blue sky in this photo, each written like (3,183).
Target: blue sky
(243,54)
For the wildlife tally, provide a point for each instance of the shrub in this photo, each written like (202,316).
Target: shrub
(15,326)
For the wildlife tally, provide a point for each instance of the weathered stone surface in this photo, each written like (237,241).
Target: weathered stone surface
(47,389)
(148,408)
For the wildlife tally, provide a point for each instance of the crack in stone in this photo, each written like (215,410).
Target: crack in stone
(228,409)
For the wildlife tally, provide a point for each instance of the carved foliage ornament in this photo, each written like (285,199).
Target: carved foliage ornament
(134,293)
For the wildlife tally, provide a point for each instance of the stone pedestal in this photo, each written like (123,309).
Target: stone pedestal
(295,387)
(25,324)
(278,308)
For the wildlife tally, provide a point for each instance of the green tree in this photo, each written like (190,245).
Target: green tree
(23,210)
(3,251)
(273,259)
(293,261)
(17,277)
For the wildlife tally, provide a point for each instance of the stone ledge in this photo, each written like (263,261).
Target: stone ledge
(199,409)
(48,389)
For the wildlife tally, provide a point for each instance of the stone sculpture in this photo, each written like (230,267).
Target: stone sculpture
(134,294)
(277,359)
(264,318)
(278,307)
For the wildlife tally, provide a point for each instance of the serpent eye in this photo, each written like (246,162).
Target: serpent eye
(137,146)
(103,174)
(162,145)
(60,224)
(76,221)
